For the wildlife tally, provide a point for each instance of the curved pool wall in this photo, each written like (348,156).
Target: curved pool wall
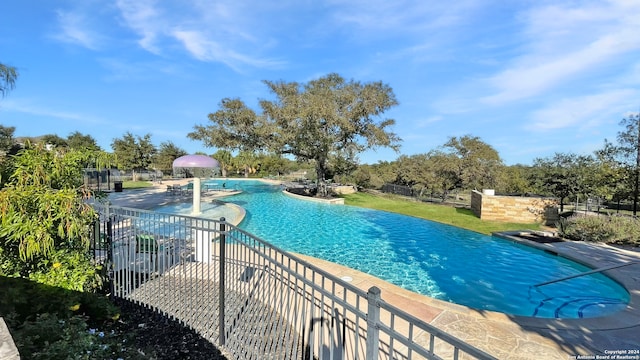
(429,258)
(213,209)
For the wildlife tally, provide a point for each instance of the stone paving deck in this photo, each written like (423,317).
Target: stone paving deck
(516,337)
(507,336)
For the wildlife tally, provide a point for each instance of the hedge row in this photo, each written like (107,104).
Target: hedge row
(614,229)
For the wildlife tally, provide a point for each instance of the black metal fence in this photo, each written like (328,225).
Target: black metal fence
(398,189)
(252,299)
(454,198)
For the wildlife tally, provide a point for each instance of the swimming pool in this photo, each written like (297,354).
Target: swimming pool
(433,259)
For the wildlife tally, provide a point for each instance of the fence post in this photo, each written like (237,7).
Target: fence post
(221,327)
(373,318)
(109,246)
(97,239)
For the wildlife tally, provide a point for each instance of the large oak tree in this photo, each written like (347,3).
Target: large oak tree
(318,121)
(478,163)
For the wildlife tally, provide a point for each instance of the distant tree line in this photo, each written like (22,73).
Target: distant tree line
(466,163)
(138,153)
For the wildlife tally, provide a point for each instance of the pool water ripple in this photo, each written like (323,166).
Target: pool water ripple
(429,258)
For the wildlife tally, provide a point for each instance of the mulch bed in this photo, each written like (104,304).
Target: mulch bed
(159,337)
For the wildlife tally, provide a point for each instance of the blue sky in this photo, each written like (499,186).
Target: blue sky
(530,77)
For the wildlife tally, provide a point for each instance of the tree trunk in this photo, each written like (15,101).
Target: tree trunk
(319,174)
(321,170)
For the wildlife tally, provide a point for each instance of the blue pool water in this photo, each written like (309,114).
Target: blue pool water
(429,258)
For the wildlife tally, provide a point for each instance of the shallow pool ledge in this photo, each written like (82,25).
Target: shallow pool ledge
(594,256)
(336,201)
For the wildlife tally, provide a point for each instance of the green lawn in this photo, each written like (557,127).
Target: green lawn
(462,218)
(136,184)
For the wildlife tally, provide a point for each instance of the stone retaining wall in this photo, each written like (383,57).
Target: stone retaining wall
(518,209)
(344,189)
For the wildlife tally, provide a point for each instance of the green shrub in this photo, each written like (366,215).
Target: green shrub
(586,228)
(49,322)
(70,270)
(45,220)
(51,337)
(25,299)
(608,229)
(626,230)
(65,268)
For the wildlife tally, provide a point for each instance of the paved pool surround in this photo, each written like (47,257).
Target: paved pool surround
(502,335)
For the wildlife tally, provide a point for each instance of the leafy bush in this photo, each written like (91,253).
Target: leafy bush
(608,229)
(25,299)
(53,323)
(626,230)
(45,221)
(50,337)
(64,268)
(70,270)
(42,208)
(45,270)
(49,322)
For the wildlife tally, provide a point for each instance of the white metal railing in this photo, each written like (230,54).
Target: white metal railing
(254,300)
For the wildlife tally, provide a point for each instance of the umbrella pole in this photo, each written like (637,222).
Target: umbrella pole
(196,196)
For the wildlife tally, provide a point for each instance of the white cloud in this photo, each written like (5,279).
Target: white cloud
(203,49)
(423,123)
(130,71)
(144,18)
(580,112)
(197,45)
(401,16)
(208,32)
(31,109)
(562,43)
(75,30)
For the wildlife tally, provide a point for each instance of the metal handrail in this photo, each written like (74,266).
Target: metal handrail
(586,273)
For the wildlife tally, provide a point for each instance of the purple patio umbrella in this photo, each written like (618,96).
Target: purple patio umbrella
(196,161)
